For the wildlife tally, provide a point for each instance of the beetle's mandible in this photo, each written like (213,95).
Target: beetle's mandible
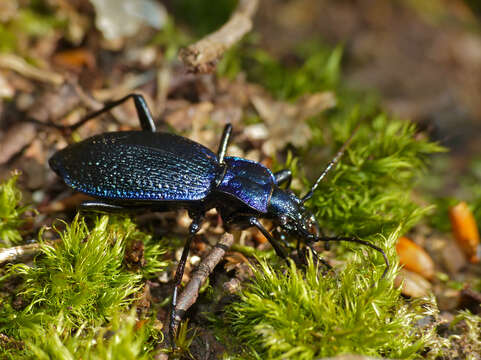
(161,171)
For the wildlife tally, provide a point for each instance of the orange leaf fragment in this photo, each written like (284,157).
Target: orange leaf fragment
(75,59)
(465,230)
(414,258)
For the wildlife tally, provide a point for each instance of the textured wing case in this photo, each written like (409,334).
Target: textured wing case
(138,165)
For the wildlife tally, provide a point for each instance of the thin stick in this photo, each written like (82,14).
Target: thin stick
(22,252)
(202,56)
(189,295)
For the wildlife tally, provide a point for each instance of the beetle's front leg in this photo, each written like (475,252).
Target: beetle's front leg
(176,317)
(253,221)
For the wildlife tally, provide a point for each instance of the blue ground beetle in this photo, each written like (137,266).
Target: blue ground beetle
(161,171)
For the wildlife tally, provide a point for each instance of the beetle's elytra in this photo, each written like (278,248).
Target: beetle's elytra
(162,171)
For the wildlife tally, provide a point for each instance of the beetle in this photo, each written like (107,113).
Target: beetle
(160,171)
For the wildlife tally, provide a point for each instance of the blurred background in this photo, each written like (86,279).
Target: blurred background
(418,60)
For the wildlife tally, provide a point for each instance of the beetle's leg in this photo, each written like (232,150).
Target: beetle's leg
(175,317)
(224,142)
(327,244)
(275,244)
(282,238)
(143,112)
(283,176)
(317,257)
(97,206)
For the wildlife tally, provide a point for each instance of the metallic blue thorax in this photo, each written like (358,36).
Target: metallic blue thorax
(249,181)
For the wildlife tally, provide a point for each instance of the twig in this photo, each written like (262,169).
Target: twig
(22,252)
(202,56)
(16,63)
(190,293)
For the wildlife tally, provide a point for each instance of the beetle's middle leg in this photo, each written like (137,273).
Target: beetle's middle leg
(224,142)
(283,176)
(98,206)
(176,317)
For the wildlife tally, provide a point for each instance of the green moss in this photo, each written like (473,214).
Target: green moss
(468,337)
(74,288)
(201,16)
(370,191)
(81,277)
(305,315)
(34,20)
(153,251)
(10,212)
(319,68)
(460,339)
(122,338)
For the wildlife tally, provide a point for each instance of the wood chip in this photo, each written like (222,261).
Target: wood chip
(202,56)
(18,64)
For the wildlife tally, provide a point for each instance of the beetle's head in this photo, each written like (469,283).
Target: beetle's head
(292,216)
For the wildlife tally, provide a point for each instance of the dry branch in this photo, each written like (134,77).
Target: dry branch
(190,293)
(18,64)
(22,252)
(202,56)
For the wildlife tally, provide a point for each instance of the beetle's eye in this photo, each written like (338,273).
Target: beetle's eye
(283,220)
(312,227)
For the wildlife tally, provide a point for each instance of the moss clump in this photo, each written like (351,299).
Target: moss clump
(304,315)
(81,277)
(76,291)
(121,338)
(10,212)
(319,71)
(370,191)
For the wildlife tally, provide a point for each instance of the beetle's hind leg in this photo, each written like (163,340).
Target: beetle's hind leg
(143,112)
(175,316)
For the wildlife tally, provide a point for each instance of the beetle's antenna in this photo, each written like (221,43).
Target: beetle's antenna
(362,242)
(329,166)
